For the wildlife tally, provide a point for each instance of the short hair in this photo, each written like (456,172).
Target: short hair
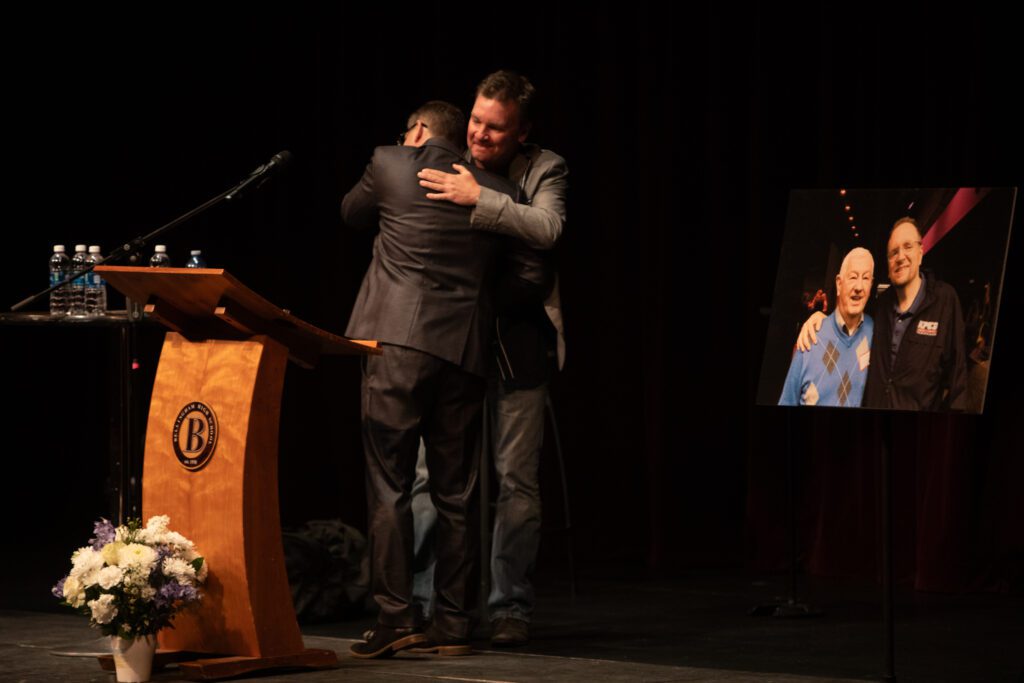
(443,119)
(856,251)
(508,86)
(901,221)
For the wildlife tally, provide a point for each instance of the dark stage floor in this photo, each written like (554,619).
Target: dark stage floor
(693,629)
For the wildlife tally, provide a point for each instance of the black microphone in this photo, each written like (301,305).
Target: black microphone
(279,160)
(262,173)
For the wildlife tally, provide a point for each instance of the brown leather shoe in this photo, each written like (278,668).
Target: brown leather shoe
(509,632)
(383,641)
(437,643)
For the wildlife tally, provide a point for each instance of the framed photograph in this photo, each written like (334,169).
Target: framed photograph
(887,299)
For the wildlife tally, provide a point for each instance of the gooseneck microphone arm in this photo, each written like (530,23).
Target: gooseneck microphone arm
(132,248)
(261,174)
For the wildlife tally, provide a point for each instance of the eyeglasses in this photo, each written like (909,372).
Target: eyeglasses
(905,247)
(401,136)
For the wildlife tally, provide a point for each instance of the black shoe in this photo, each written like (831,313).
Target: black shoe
(384,641)
(510,632)
(437,643)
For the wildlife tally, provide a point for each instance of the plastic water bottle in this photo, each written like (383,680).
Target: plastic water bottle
(197,260)
(160,259)
(76,303)
(60,266)
(95,287)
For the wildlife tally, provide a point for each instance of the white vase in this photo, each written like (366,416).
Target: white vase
(133,658)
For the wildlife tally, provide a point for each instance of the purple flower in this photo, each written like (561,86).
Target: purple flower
(104,531)
(172,591)
(58,590)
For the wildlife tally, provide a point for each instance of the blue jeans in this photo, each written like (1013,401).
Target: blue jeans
(424,516)
(517,433)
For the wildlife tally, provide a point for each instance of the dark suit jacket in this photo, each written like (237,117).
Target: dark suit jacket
(428,286)
(930,370)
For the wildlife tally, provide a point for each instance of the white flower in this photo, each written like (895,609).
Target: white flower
(136,578)
(181,570)
(109,577)
(155,532)
(109,552)
(103,610)
(148,593)
(175,539)
(74,593)
(137,556)
(85,565)
(121,534)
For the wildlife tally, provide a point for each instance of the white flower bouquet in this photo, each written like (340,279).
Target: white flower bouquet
(131,580)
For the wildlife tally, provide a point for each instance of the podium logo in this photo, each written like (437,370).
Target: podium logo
(195,435)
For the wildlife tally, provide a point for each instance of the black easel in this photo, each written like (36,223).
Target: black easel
(885,418)
(791,607)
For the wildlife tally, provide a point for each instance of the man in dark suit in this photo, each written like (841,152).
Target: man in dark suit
(426,297)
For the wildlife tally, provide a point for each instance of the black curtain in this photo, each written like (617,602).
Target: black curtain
(684,129)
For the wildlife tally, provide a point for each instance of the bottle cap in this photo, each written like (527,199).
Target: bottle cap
(79,247)
(94,249)
(58,248)
(196,252)
(160,248)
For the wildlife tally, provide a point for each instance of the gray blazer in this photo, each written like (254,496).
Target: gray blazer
(537,217)
(428,286)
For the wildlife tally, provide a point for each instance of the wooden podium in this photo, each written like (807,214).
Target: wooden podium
(210,460)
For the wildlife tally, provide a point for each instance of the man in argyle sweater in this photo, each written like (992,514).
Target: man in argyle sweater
(836,372)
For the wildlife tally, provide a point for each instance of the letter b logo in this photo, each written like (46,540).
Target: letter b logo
(196,428)
(195,435)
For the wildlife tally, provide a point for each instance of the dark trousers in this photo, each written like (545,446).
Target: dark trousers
(408,394)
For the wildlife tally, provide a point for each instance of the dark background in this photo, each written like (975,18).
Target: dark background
(684,130)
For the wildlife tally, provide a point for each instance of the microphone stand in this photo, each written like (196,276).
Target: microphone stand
(126,470)
(134,247)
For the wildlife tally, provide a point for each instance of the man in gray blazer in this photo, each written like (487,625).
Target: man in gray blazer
(426,296)
(529,337)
